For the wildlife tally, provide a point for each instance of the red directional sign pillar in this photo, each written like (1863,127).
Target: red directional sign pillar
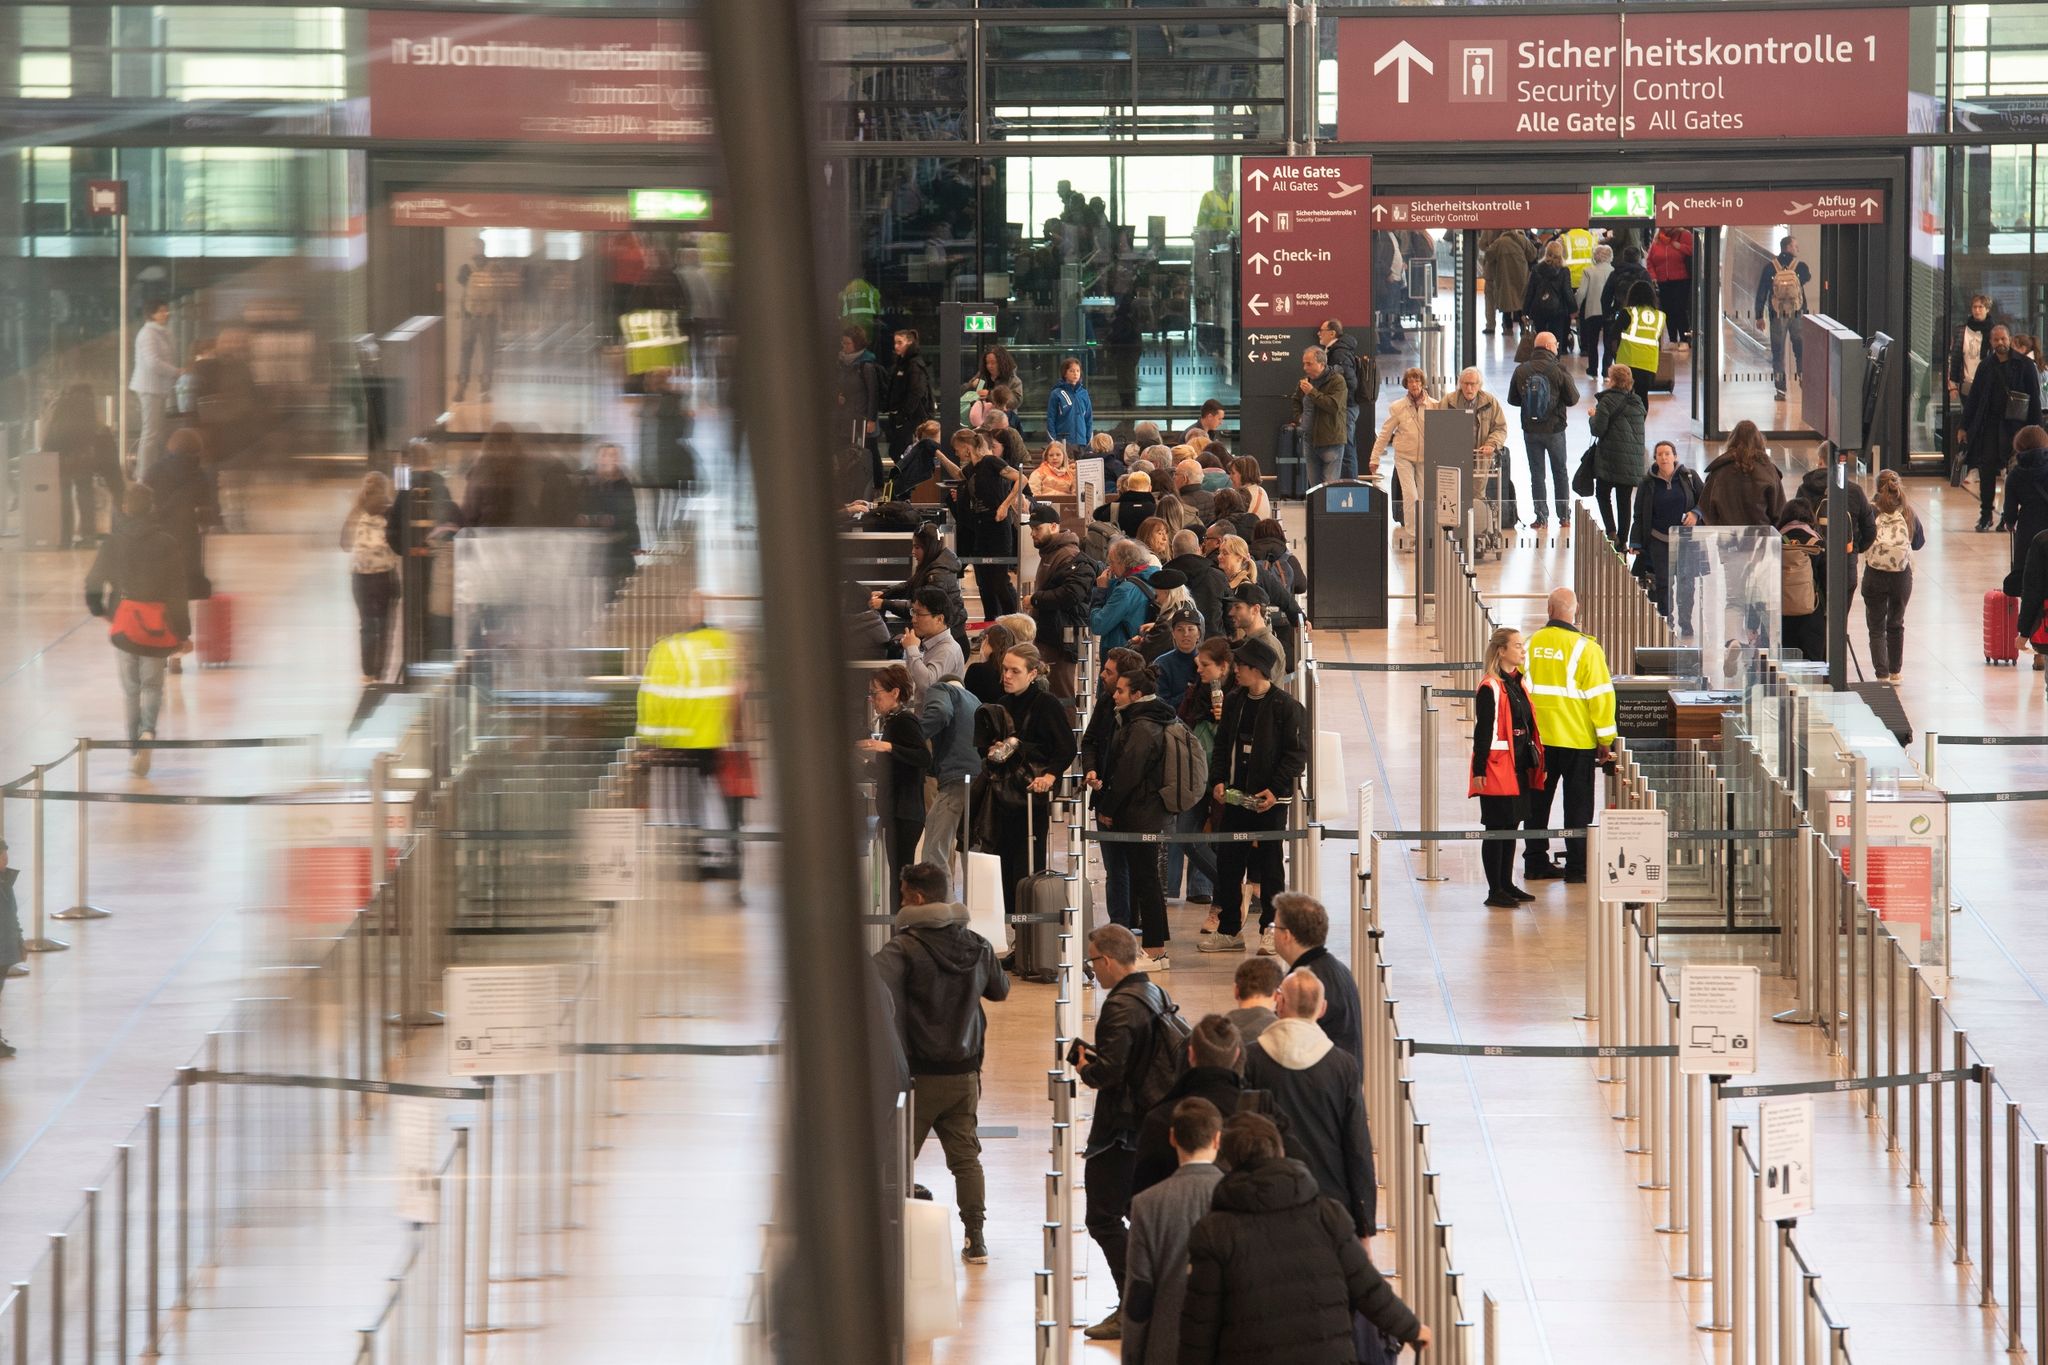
(1306,255)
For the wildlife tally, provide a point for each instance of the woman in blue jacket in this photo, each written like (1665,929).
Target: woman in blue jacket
(1120,603)
(1069,411)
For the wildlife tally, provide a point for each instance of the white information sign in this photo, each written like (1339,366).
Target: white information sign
(1785,1152)
(1448,510)
(1720,1013)
(504,1021)
(415,1126)
(1089,479)
(609,843)
(1635,851)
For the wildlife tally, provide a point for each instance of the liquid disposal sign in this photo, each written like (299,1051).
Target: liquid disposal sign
(1701,75)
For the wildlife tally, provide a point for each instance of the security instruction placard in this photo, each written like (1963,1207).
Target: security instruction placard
(504,1021)
(1720,1013)
(1635,851)
(609,842)
(1785,1152)
(416,1124)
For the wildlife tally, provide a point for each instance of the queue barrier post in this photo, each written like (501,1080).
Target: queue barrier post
(1430,820)
(40,941)
(83,908)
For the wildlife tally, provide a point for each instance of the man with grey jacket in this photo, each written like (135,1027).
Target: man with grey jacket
(1156,1266)
(938,972)
(947,718)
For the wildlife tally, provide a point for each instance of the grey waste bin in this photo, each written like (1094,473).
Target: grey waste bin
(1347,556)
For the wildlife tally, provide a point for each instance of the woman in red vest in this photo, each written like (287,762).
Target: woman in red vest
(1507,762)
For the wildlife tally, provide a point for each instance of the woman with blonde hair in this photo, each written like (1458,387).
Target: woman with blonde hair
(1548,298)
(373,571)
(1507,761)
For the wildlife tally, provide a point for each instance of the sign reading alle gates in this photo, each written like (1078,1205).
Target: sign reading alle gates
(1698,75)
(1622,201)
(1720,1013)
(1307,240)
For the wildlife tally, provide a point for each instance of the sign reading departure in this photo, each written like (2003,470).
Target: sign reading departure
(1849,205)
(1698,75)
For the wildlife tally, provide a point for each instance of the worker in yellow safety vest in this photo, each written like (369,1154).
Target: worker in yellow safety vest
(1578,252)
(687,709)
(1641,342)
(860,303)
(1573,695)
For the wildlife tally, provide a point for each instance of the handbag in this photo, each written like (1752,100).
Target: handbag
(1583,481)
(735,772)
(2015,406)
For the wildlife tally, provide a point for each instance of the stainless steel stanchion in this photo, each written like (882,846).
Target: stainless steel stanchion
(1721,1196)
(1987,1268)
(458,1276)
(56,1298)
(1691,1153)
(2012,1230)
(152,1244)
(1429,792)
(480,1263)
(184,1236)
(1760,1266)
(92,1275)
(1962,1237)
(21,1321)
(1936,1132)
(83,908)
(1734,1214)
(1913,982)
(121,1162)
(40,941)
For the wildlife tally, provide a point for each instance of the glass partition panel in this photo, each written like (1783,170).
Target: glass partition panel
(1726,592)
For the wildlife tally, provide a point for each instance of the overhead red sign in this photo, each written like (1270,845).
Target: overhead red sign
(517,78)
(1749,208)
(547,212)
(1452,211)
(1307,238)
(1707,73)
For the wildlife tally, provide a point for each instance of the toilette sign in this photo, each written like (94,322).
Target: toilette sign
(1705,74)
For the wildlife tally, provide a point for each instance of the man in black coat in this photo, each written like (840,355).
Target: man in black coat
(1301,928)
(1206,583)
(1213,1056)
(938,972)
(1128,801)
(2005,397)
(1261,750)
(1318,1087)
(1862,527)
(907,396)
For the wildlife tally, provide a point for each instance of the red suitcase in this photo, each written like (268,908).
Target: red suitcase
(213,630)
(2001,628)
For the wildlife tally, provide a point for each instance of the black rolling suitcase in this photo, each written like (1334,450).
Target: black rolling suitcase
(1042,901)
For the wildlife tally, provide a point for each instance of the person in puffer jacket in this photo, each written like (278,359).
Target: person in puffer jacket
(1275,1272)
(938,972)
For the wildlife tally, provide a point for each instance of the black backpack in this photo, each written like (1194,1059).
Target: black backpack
(1169,1055)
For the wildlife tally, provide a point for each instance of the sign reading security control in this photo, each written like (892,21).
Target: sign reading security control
(1700,74)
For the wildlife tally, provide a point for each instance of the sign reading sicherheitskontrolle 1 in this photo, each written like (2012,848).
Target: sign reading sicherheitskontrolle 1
(1701,74)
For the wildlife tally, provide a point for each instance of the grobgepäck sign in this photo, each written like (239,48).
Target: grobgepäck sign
(1701,75)
(450,77)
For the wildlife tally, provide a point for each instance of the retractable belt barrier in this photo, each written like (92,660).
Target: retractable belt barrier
(762,1049)
(1993,798)
(1409,666)
(1575,832)
(1990,740)
(1221,836)
(203,1076)
(1972,1073)
(1539,1050)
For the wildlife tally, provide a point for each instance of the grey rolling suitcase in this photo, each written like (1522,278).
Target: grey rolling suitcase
(1042,903)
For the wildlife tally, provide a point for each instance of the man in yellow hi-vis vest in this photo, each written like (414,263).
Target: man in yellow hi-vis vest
(688,703)
(1641,343)
(1573,695)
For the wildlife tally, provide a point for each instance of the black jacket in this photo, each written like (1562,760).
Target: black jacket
(1208,586)
(1340,999)
(1564,395)
(907,396)
(1342,356)
(1042,725)
(1990,431)
(1546,278)
(1115,1066)
(610,508)
(941,571)
(1220,1085)
(1130,800)
(2034,584)
(1614,294)
(140,562)
(905,765)
(1862,519)
(938,972)
(1272,553)
(1639,528)
(1059,601)
(1274,746)
(1317,1086)
(2026,510)
(1275,1273)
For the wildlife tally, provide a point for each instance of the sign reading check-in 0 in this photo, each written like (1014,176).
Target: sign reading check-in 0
(1699,75)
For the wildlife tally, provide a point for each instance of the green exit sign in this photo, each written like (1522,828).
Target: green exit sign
(669,206)
(1624,201)
(978,322)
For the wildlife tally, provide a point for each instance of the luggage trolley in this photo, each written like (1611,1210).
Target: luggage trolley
(1487,536)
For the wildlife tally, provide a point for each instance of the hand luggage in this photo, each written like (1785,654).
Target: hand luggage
(2001,628)
(1042,905)
(213,630)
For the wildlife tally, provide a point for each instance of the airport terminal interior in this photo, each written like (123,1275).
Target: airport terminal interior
(1010,682)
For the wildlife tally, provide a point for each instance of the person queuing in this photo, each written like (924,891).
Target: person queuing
(1546,395)
(1127,801)
(1668,498)
(984,509)
(938,971)
(1888,574)
(1619,413)
(2004,398)
(1259,754)
(1803,582)
(929,650)
(1507,761)
(1119,1066)
(1301,933)
(1045,746)
(1248,481)
(1275,1273)
(1182,627)
(1060,595)
(946,717)
(373,572)
(138,582)
(1252,989)
(1118,608)
(1163,1216)
(932,565)
(1201,709)
(903,757)
(1054,475)
(1743,487)
(1207,586)
(1340,353)
(1319,1087)
(1573,697)
(1490,439)
(1402,430)
(983,677)
(1214,1074)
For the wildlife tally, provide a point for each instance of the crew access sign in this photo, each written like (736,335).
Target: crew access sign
(1699,75)
(1307,238)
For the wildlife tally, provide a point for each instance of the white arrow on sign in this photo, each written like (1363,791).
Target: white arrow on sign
(1379,210)
(1870,205)
(1257,303)
(1256,219)
(1401,56)
(1796,207)
(1257,261)
(1670,209)
(1259,176)
(1606,201)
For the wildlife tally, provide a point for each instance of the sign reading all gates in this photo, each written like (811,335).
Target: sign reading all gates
(1785,1155)
(1635,850)
(1699,74)
(1720,1014)
(1307,240)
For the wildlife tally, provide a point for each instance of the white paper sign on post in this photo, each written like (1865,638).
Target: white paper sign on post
(609,844)
(985,900)
(504,1021)
(1449,506)
(1635,851)
(1720,1013)
(415,1126)
(1785,1152)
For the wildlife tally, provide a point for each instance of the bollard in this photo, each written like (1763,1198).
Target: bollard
(1429,792)
(92,1274)
(1760,1265)
(40,941)
(2012,1229)
(83,908)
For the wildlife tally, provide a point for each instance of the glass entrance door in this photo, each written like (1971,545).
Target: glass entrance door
(1764,277)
